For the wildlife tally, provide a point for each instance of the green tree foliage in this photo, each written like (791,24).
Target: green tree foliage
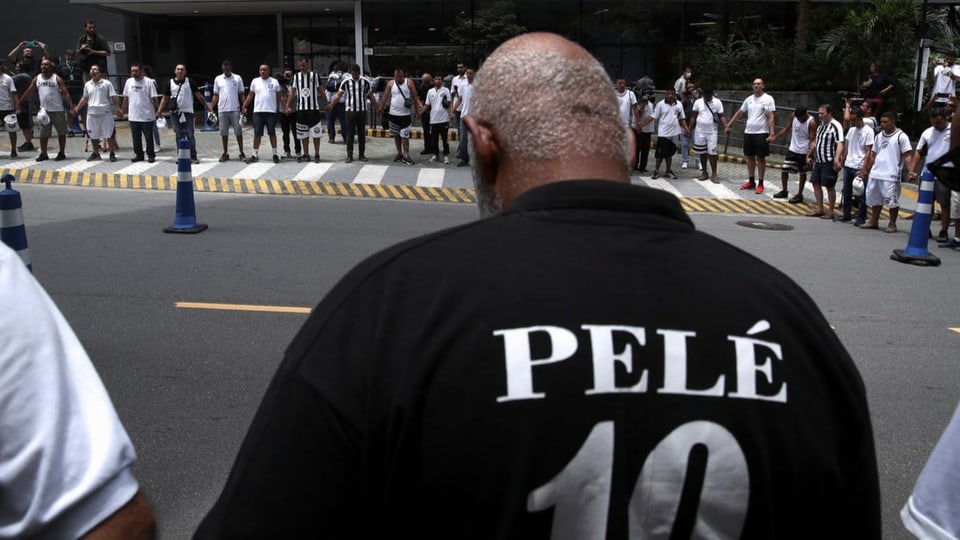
(478,34)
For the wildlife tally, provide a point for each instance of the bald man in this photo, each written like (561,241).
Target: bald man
(541,374)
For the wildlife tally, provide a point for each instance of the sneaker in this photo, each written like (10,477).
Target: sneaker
(703,176)
(349,159)
(433,159)
(446,160)
(891,228)
(655,175)
(135,159)
(857,222)
(398,159)
(43,156)
(224,157)
(425,152)
(151,159)
(287,155)
(13,154)
(748,185)
(252,159)
(94,157)
(113,157)
(195,161)
(782,194)
(942,237)
(715,179)
(953,243)
(408,161)
(363,158)
(316,158)
(683,165)
(796,199)
(26,146)
(463,163)
(670,175)
(301,159)
(760,189)
(60,157)
(699,166)
(242,156)
(276,158)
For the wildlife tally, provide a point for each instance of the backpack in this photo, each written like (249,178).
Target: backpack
(333,82)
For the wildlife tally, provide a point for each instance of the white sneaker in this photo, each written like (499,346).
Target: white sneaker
(683,166)
(433,159)
(445,160)
(699,166)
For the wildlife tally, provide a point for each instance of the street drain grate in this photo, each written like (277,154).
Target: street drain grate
(765,225)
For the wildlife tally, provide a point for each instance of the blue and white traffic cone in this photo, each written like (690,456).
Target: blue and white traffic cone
(916,251)
(185,220)
(12,230)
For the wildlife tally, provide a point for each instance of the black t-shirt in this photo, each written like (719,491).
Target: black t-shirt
(558,371)
(95,42)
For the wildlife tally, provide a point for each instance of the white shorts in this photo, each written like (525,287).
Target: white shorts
(705,142)
(306,132)
(883,192)
(100,126)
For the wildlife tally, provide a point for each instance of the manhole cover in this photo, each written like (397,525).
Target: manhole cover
(765,225)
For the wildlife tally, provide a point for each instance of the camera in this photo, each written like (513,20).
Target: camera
(854,97)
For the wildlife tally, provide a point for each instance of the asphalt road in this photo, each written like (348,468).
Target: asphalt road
(186,382)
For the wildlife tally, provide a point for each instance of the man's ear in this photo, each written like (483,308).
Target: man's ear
(485,148)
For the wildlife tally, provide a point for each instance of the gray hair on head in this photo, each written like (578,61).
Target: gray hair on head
(575,115)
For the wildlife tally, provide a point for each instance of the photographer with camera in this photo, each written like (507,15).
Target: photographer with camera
(92,49)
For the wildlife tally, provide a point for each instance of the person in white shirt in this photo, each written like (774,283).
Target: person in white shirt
(707,116)
(183,91)
(859,144)
(8,105)
(757,134)
(891,148)
(944,82)
(670,125)
(462,106)
(627,101)
(265,94)
(455,84)
(100,98)
(65,459)
(53,93)
(934,142)
(803,131)
(440,103)
(140,101)
(228,91)
(681,83)
(931,509)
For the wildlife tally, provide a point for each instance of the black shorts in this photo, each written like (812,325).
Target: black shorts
(755,144)
(308,117)
(794,162)
(665,148)
(822,174)
(24,119)
(941,194)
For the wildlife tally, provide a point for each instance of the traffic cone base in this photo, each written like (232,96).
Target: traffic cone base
(198,228)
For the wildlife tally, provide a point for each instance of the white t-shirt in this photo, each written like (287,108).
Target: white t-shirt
(934,143)
(888,153)
(466,90)
(456,84)
(265,94)
(756,109)
(99,96)
(705,123)
(229,89)
(668,118)
(65,458)
(646,112)
(140,95)
(858,141)
(942,82)
(800,135)
(438,113)
(6,93)
(627,101)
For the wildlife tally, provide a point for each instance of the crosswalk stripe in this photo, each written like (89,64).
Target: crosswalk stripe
(313,171)
(430,178)
(137,168)
(254,170)
(719,191)
(370,174)
(662,185)
(79,166)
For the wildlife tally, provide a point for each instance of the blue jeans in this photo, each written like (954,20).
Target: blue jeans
(685,147)
(140,131)
(184,128)
(462,152)
(338,113)
(847,192)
